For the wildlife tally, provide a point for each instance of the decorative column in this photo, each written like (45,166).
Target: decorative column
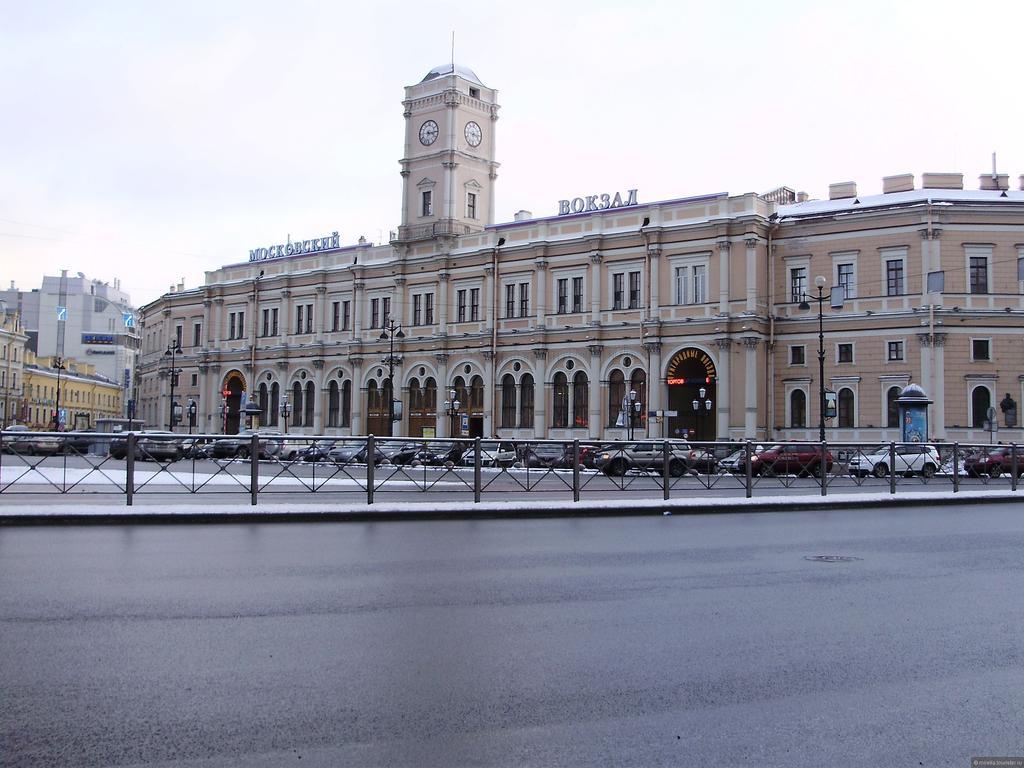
(208,322)
(655,303)
(358,307)
(937,421)
(218,321)
(488,392)
(597,392)
(443,424)
(751,243)
(541,271)
(284,325)
(486,302)
(750,370)
(595,288)
(215,423)
(655,383)
(723,390)
(541,394)
(320,319)
(442,305)
(318,406)
(398,303)
(357,395)
(723,277)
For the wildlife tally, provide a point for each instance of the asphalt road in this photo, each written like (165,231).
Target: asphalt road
(660,641)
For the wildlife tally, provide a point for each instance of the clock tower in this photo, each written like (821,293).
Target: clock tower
(448,170)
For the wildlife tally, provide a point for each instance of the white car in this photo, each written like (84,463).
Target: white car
(910,459)
(492,454)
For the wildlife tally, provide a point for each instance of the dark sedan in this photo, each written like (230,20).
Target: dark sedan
(545,456)
(439,454)
(993,463)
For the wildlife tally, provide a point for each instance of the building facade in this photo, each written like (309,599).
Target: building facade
(75,392)
(12,362)
(561,326)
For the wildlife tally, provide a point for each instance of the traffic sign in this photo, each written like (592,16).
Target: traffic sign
(62,314)
(465,422)
(129,319)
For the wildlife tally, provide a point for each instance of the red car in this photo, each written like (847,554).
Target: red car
(801,459)
(993,463)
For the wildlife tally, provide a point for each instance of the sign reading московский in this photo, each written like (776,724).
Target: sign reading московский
(299,246)
(596,202)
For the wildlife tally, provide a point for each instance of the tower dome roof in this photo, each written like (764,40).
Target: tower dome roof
(453,69)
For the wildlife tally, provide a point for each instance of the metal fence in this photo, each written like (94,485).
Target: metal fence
(271,466)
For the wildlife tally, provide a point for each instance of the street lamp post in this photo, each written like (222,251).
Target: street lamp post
(701,407)
(451,407)
(635,407)
(192,409)
(836,296)
(286,411)
(58,363)
(173,349)
(391,331)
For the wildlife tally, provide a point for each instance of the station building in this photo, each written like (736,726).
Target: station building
(555,326)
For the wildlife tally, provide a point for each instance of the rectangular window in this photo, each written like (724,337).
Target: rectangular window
(524,299)
(700,283)
(197,334)
(471,205)
(231,325)
(428,309)
(345,307)
(980,349)
(309,318)
(978,268)
(510,300)
(460,306)
(618,290)
(563,295)
(195,379)
(241,324)
(417,308)
(474,304)
(385,310)
(374,313)
(846,278)
(798,355)
(895,350)
(844,353)
(577,294)
(428,204)
(273,321)
(335,316)
(797,284)
(179,332)
(634,290)
(266,323)
(894,277)
(300,312)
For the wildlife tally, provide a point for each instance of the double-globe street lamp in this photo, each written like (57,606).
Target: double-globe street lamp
(172,351)
(635,406)
(701,407)
(451,407)
(836,297)
(390,332)
(286,411)
(58,363)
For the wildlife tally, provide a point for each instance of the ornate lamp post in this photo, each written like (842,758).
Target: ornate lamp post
(58,363)
(635,407)
(392,331)
(836,296)
(451,407)
(701,407)
(173,350)
(192,409)
(286,411)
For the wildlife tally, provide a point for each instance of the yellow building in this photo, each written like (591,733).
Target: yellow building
(81,395)
(12,358)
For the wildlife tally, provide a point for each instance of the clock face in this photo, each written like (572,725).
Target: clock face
(473,134)
(428,133)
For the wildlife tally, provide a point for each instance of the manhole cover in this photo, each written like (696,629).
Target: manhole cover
(832,558)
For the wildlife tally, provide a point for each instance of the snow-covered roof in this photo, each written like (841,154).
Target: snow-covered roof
(910,197)
(453,69)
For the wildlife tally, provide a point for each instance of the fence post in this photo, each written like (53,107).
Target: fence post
(892,467)
(823,468)
(956,467)
(1013,466)
(476,469)
(665,474)
(254,467)
(129,469)
(747,456)
(576,469)
(370,451)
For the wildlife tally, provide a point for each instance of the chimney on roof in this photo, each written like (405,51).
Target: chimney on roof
(523,215)
(802,197)
(942,181)
(842,190)
(903,182)
(997,181)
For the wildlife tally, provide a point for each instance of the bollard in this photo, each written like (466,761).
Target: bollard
(892,467)
(665,473)
(129,469)
(370,449)
(254,468)
(823,468)
(956,467)
(476,469)
(748,455)
(576,470)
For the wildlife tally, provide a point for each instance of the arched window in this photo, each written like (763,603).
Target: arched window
(616,391)
(372,398)
(459,385)
(526,401)
(263,403)
(476,395)
(580,399)
(798,409)
(560,396)
(296,404)
(638,384)
(346,404)
(846,411)
(415,396)
(508,401)
(309,403)
(333,402)
(892,411)
(430,395)
(981,401)
(275,403)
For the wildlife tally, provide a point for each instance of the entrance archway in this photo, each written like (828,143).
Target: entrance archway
(688,371)
(234,385)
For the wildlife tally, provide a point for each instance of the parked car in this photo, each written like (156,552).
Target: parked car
(15,438)
(317,451)
(78,442)
(152,444)
(28,443)
(399,453)
(438,454)
(493,453)
(993,463)
(353,452)
(240,445)
(197,447)
(646,456)
(544,456)
(910,459)
(803,459)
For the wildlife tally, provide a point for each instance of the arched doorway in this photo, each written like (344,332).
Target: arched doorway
(234,385)
(688,371)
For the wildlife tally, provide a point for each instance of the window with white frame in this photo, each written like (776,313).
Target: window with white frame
(797,283)
(691,282)
(460,306)
(634,289)
(471,205)
(562,295)
(618,290)
(427,201)
(577,294)
(894,265)
(844,352)
(978,259)
(981,349)
(798,354)
(417,308)
(474,304)
(894,351)
(846,278)
(517,299)
(374,313)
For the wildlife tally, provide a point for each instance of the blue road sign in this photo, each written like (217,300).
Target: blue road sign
(62,313)
(129,319)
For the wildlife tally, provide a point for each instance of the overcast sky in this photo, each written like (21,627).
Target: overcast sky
(150,142)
